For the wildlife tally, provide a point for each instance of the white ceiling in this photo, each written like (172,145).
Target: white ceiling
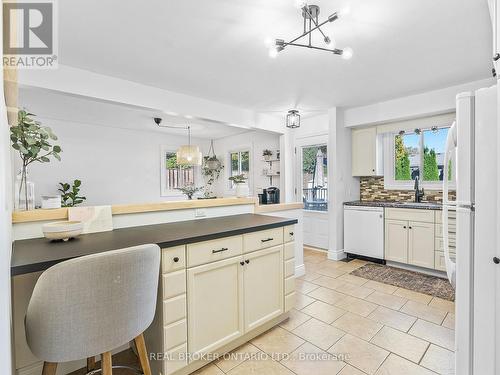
(53,105)
(215,49)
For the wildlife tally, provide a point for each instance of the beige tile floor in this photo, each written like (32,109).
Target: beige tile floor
(347,325)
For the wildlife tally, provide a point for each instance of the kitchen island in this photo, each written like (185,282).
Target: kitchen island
(243,264)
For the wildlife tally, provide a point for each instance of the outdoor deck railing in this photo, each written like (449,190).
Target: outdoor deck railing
(315,199)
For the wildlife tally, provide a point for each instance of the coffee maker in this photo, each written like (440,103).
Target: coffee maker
(270,195)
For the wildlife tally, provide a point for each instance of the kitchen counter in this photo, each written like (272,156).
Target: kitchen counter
(412,205)
(38,254)
(261,208)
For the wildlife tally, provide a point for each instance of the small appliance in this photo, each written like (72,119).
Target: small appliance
(271,195)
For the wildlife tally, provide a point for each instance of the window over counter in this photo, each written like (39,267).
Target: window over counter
(416,154)
(314,177)
(240,164)
(174,176)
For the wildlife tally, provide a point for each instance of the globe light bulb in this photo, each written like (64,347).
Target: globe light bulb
(300,4)
(347,53)
(268,41)
(345,11)
(273,52)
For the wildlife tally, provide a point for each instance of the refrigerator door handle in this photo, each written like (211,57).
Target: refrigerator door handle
(451,143)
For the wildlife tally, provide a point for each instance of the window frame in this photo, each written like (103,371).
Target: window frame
(230,184)
(164,191)
(390,183)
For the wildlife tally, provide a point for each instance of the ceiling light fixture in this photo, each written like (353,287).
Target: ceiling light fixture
(310,14)
(293,119)
(187,155)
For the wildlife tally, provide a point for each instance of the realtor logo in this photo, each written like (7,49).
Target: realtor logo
(29,35)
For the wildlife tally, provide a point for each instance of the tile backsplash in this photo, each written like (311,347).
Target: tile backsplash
(372,189)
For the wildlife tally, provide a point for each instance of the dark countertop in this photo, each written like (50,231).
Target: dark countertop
(38,254)
(412,205)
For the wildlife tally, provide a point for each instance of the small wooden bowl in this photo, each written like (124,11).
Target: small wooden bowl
(62,230)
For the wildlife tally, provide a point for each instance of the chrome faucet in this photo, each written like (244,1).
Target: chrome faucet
(419,193)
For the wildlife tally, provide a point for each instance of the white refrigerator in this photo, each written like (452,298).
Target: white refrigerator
(472,147)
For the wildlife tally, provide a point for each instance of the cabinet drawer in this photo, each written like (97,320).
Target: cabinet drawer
(289,252)
(175,359)
(214,250)
(409,214)
(289,285)
(289,301)
(289,268)
(452,228)
(174,283)
(262,240)
(173,259)
(174,309)
(439,244)
(439,262)
(452,216)
(289,233)
(175,334)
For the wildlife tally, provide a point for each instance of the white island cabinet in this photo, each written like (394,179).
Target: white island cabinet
(215,295)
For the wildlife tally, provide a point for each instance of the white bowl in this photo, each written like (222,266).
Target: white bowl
(62,230)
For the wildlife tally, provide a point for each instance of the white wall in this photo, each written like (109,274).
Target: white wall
(344,187)
(115,165)
(5,235)
(424,104)
(256,142)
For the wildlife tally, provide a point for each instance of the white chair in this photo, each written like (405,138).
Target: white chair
(91,305)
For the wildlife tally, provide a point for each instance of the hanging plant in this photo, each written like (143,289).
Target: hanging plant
(211,169)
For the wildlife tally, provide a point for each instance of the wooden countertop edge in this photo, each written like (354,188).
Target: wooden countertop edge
(121,209)
(278,207)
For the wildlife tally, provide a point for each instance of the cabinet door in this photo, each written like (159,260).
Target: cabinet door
(215,300)
(364,156)
(421,244)
(396,240)
(263,283)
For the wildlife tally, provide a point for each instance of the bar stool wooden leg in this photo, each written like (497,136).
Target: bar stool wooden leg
(91,365)
(49,368)
(143,354)
(106,364)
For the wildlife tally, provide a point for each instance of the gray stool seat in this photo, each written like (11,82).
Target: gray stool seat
(91,305)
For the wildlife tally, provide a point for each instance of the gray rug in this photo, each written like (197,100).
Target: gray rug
(418,282)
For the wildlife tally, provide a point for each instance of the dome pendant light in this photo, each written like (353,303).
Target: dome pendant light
(189,155)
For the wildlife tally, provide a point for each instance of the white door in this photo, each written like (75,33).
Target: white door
(364,156)
(396,240)
(312,189)
(263,283)
(421,244)
(215,300)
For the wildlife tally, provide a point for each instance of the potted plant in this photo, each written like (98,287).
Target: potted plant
(211,169)
(240,183)
(267,154)
(69,194)
(33,143)
(189,190)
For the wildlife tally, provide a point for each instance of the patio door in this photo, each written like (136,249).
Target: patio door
(312,190)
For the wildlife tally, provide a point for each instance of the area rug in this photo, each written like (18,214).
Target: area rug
(418,282)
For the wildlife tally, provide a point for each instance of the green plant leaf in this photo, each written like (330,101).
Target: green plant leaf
(56,149)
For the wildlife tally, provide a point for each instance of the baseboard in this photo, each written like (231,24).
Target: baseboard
(300,270)
(312,248)
(336,254)
(410,267)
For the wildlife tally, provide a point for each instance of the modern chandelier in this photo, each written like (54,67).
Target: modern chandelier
(311,24)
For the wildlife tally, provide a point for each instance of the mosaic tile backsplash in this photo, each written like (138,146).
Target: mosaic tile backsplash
(372,189)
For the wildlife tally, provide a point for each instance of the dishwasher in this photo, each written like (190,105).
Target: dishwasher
(364,231)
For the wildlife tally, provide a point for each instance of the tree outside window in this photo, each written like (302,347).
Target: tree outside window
(240,164)
(421,154)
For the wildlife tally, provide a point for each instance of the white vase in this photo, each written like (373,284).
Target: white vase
(242,190)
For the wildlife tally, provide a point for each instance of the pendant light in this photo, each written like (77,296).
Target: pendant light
(293,119)
(189,155)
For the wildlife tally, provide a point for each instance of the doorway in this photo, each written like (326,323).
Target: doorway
(312,190)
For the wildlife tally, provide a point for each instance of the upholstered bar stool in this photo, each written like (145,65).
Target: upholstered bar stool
(91,305)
